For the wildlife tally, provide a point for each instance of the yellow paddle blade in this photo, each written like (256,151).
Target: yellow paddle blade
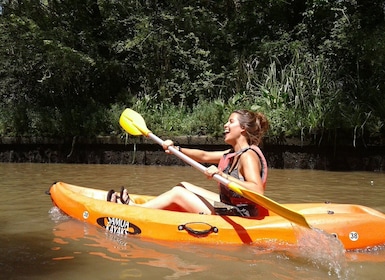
(270,204)
(133,123)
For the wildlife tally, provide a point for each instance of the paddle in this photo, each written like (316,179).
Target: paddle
(134,124)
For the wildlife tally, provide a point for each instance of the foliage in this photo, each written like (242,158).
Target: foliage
(313,67)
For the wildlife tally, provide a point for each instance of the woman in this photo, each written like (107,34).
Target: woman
(243,164)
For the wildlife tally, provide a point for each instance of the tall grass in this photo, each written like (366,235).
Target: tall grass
(301,99)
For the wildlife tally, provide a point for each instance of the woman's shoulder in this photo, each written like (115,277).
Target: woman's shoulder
(249,154)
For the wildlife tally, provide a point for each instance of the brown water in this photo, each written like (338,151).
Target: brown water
(38,242)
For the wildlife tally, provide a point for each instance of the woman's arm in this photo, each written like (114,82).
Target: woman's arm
(197,154)
(250,169)
(203,156)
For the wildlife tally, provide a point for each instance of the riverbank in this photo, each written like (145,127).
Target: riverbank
(139,150)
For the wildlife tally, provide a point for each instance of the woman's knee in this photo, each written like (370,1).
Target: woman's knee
(179,191)
(184,185)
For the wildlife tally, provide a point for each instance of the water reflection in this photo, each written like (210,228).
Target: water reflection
(112,247)
(137,258)
(35,244)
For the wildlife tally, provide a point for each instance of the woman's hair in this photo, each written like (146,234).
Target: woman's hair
(255,124)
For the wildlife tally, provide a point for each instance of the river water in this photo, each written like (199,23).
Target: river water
(38,242)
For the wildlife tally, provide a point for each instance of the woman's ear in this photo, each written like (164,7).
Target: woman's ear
(243,132)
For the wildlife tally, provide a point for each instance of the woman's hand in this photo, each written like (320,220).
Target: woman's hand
(167,143)
(211,171)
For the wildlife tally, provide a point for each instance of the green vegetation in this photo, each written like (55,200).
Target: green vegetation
(315,68)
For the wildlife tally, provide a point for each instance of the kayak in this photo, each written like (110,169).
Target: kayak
(355,226)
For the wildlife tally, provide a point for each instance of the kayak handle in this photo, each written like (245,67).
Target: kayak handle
(198,228)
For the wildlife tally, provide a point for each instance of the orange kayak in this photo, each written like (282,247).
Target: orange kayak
(356,226)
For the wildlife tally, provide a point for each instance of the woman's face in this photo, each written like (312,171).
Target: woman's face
(233,129)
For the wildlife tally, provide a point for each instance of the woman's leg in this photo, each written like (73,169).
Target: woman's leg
(208,195)
(184,198)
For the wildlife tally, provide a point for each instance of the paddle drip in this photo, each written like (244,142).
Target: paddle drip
(322,250)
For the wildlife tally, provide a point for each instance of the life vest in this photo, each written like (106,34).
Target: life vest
(230,197)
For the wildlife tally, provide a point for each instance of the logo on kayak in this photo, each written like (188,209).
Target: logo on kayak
(118,226)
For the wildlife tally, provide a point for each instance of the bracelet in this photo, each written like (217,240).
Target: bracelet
(178,148)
